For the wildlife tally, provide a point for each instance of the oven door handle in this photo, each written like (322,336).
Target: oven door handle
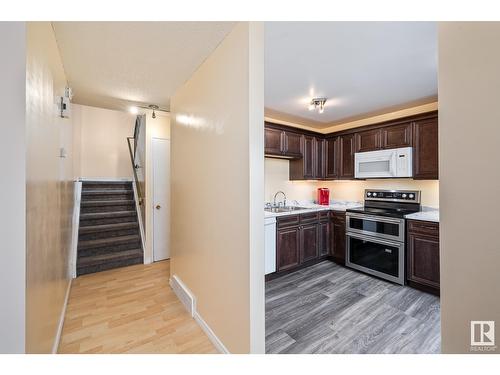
(375,218)
(374,239)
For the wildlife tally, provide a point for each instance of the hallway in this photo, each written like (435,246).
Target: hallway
(129,310)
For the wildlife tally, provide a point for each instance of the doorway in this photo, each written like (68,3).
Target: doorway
(161,199)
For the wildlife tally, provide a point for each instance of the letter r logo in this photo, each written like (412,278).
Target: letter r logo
(482,332)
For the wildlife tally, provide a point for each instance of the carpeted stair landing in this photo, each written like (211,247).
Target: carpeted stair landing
(109,235)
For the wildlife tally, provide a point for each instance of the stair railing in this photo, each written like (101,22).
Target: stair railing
(135,167)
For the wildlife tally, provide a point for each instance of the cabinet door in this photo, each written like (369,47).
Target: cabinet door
(338,238)
(308,242)
(308,156)
(332,160)
(324,238)
(292,144)
(368,140)
(423,259)
(319,165)
(347,156)
(425,141)
(273,141)
(287,248)
(396,136)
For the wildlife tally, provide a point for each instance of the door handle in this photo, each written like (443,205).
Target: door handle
(158,206)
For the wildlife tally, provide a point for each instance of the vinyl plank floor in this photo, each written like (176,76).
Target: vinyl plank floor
(327,308)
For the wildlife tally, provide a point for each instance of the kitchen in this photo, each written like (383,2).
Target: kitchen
(351,214)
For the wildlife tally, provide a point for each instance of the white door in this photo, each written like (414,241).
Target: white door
(161,199)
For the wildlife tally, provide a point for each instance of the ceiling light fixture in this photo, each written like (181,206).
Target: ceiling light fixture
(154,107)
(317,103)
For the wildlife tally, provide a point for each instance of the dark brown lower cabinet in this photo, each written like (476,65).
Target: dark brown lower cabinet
(308,242)
(287,248)
(338,237)
(324,237)
(422,255)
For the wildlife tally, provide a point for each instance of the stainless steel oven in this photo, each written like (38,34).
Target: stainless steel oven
(378,226)
(375,233)
(376,256)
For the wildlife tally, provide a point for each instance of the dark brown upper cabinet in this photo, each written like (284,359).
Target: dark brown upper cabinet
(292,144)
(273,141)
(346,156)
(308,157)
(396,136)
(319,167)
(282,143)
(332,157)
(311,165)
(314,156)
(368,140)
(425,149)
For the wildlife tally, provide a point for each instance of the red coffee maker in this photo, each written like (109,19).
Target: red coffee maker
(323,196)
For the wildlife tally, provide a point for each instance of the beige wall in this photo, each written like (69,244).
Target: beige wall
(155,128)
(217,188)
(277,178)
(100,141)
(469,93)
(12,187)
(49,194)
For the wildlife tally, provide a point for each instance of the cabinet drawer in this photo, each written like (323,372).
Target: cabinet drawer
(424,227)
(338,216)
(288,221)
(324,215)
(309,218)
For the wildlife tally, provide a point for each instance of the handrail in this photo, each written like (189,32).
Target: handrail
(134,167)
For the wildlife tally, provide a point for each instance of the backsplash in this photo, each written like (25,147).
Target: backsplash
(277,178)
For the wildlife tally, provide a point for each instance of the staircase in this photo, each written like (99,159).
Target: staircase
(109,235)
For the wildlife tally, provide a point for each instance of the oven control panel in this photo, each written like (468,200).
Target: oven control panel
(410,196)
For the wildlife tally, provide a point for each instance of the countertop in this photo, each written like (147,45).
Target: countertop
(311,207)
(427,214)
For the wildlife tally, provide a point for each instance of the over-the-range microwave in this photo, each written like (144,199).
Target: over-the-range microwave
(393,163)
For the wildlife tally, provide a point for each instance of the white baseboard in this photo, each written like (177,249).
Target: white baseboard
(184,294)
(57,339)
(188,299)
(211,335)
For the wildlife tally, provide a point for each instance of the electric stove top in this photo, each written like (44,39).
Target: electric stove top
(391,203)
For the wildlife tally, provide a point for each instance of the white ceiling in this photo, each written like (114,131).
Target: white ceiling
(115,64)
(361,67)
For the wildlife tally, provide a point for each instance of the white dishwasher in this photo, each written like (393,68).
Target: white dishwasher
(270,244)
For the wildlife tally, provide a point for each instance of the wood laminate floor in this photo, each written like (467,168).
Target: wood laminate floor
(327,308)
(129,310)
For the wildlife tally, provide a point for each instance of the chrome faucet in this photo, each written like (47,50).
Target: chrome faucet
(284,198)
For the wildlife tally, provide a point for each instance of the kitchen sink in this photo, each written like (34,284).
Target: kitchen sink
(284,209)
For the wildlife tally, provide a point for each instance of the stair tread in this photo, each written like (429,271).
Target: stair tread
(83,244)
(101,215)
(91,260)
(108,227)
(113,202)
(106,191)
